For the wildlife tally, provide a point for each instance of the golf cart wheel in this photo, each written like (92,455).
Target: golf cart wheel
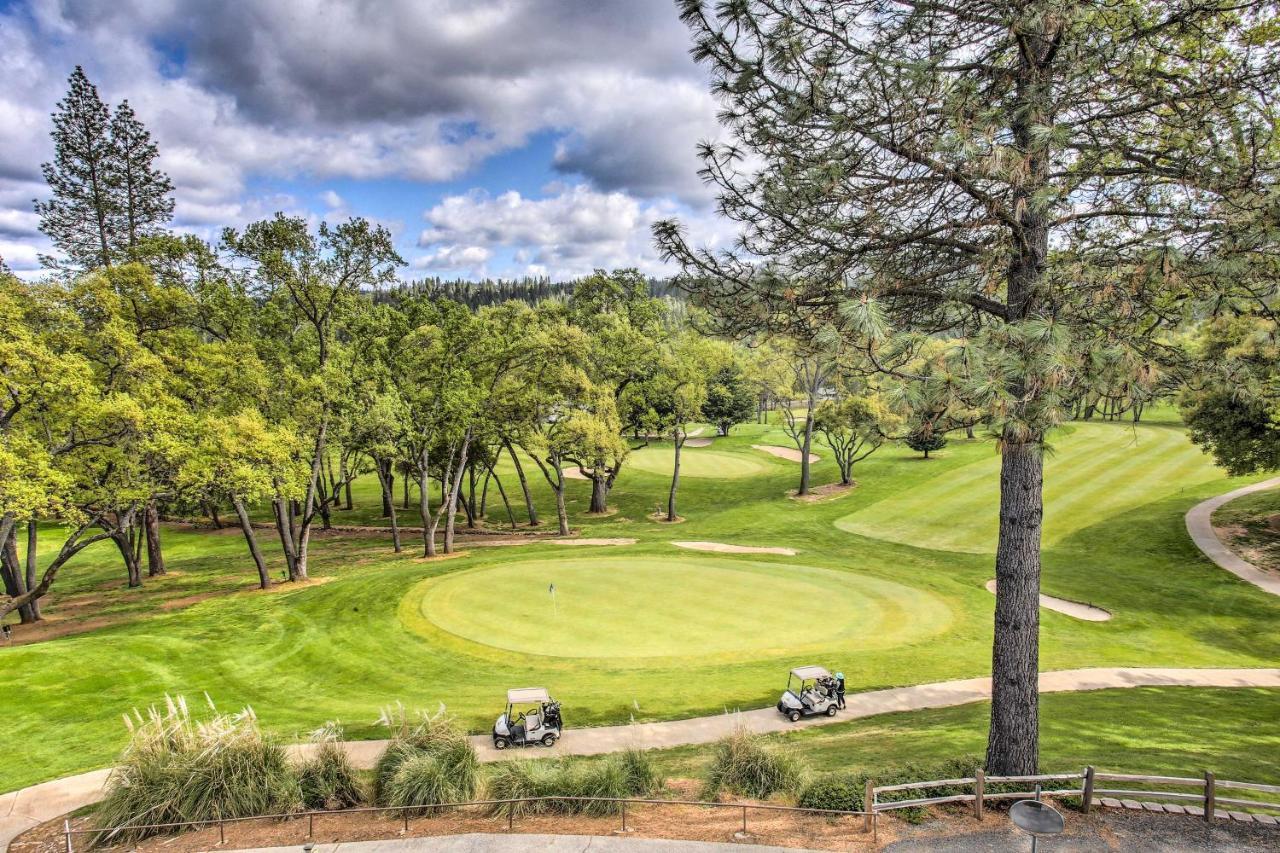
(831,710)
(548,740)
(501,743)
(794,716)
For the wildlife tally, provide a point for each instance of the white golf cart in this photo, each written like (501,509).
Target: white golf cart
(810,690)
(532,717)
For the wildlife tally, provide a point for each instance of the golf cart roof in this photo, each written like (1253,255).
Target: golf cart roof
(805,673)
(527,695)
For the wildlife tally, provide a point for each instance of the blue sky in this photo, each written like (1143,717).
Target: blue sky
(500,137)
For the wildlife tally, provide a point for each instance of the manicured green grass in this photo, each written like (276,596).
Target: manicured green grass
(655,606)
(347,648)
(695,462)
(1095,471)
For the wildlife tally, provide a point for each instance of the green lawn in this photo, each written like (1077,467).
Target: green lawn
(650,631)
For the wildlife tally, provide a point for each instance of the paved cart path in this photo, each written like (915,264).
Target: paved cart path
(20,810)
(1200,526)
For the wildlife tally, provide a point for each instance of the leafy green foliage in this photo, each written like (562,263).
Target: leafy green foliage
(926,441)
(730,398)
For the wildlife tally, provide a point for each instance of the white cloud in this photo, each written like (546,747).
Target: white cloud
(569,233)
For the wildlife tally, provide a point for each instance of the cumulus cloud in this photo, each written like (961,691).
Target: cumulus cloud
(568,233)
(423,90)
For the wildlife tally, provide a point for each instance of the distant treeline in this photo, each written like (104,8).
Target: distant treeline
(495,291)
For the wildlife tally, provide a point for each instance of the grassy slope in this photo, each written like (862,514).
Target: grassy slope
(344,649)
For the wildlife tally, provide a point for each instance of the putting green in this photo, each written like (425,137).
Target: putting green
(1093,472)
(695,462)
(641,607)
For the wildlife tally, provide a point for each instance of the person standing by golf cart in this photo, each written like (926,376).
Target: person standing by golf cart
(840,690)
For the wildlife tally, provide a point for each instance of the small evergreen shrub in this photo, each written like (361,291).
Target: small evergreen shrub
(835,791)
(742,763)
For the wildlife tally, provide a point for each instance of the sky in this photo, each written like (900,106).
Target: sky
(492,137)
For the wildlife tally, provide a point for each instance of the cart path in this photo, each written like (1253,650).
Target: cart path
(23,809)
(1200,526)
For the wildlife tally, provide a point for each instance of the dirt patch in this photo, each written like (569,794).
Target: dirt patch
(1075,609)
(574,474)
(661,517)
(697,442)
(617,541)
(788,453)
(722,548)
(829,492)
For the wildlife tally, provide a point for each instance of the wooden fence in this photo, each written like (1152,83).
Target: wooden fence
(1084,785)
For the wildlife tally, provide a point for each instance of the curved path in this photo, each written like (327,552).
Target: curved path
(1200,526)
(21,810)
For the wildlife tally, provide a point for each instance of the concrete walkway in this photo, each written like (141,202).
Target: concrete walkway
(484,843)
(1200,526)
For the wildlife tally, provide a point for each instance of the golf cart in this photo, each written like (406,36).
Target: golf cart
(810,690)
(532,717)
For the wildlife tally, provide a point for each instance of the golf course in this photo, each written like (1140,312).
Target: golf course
(887,584)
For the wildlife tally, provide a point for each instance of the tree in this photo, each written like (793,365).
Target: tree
(730,398)
(1015,173)
(143,190)
(675,395)
(310,282)
(924,439)
(810,370)
(83,216)
(855,426)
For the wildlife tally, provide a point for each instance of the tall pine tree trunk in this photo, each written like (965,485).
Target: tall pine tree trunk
(155,556)
(807,445)
(264,578)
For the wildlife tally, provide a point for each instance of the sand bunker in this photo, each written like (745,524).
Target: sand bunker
(788,453)
(721,548)
(697,442)
(574,474)
(1075,609)
(592,541)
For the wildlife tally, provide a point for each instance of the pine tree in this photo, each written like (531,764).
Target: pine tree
(144,190)
(82,216)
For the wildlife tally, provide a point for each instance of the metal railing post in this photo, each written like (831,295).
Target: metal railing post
(624,815)
(311,824)
(744,820)
(222,834)
(66,830)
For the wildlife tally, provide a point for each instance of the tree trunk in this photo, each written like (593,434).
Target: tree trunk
(524,486)
(284,527)
(346,484)
(213,516)
(11,570)
(451,507)
(599,492)
(391,507)
(264,578)
(155,556)
(804,451)
(33,533)
(385,476)
(675,476)
(424,507)
(511,516)
(1013,743)
(562,514)
(124,542)
(309,504)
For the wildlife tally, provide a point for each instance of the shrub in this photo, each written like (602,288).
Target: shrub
(327,779)
(743,764)
(846,790)
(925,441)
(421,779)
(178,770)
(835,791)
(429,736)
(618,776)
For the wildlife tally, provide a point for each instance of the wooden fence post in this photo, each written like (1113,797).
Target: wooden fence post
(1086,799)
(979,788)
(1210,796)
(868,805)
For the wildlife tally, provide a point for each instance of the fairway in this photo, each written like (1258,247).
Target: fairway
(651,607)
(1093,472)
(695,462)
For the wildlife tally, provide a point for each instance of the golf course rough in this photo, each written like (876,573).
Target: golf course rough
(652,607)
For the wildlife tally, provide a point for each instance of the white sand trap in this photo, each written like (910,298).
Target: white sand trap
(697,442)
(721,548)
(1075,609)
(788,453)
(691,433)
(592,541)
(573,474)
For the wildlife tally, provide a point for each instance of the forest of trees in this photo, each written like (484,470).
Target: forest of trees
(1063,210)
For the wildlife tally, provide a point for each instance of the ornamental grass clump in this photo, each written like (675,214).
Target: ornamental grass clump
(429,761)
(589,784)
(178,770)
(742,763)
(327,778)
